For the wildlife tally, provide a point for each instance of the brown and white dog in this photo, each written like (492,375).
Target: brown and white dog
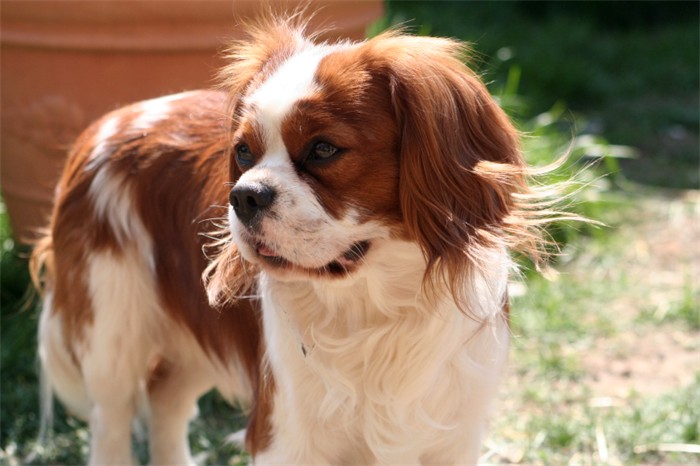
(357,295)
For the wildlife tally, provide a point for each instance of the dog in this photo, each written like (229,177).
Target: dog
(326,238)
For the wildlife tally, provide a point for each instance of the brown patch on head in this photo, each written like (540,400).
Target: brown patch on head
(269,42)
(248,133)
(349,111)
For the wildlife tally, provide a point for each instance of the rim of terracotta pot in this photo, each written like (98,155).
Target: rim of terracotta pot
(150,25)
(117,25)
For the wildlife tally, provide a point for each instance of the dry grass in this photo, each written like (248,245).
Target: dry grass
(606,359)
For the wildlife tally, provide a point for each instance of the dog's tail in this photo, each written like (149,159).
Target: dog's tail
(41,270)
(41,263)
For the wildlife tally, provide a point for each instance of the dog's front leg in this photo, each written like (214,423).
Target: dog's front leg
(173,402)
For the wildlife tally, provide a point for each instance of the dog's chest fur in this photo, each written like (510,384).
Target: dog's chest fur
(372,370)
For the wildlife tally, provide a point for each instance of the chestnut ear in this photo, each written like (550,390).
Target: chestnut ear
(460,155)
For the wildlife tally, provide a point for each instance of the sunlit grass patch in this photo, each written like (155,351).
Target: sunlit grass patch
(684,309)
(568,426)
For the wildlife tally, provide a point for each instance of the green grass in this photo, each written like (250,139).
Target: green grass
(684,310)
(567,427)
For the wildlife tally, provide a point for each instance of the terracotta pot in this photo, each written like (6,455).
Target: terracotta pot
(66,62)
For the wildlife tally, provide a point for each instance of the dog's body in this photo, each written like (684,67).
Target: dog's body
(125,317)
(376,189)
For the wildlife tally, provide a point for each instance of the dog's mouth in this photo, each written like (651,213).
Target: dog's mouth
(343,265)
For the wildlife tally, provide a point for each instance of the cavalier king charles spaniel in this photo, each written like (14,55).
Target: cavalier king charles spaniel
(326,238)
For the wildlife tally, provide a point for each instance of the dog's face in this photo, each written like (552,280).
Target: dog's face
(339,148)
(317,152)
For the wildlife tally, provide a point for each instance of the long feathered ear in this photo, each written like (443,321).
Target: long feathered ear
(462,172)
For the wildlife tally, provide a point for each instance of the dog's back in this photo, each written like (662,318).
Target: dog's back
(126,317)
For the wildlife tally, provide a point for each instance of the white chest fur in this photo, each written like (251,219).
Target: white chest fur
(371,371)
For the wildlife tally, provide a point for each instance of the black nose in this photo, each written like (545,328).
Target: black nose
(248,201)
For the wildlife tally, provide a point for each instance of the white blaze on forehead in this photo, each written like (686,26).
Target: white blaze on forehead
(292,81)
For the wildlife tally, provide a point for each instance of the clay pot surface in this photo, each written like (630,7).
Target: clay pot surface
(67,62)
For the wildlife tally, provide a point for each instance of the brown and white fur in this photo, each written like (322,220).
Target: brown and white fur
(357,295)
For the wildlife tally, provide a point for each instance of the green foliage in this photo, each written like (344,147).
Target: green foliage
(638,83)
(18,336)
(589,173)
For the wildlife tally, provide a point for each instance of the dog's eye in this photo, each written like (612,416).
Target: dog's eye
(244,156)
(322,151)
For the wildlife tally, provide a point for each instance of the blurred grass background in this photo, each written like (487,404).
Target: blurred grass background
(606,354)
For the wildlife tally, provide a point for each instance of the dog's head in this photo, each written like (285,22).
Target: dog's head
(338,148)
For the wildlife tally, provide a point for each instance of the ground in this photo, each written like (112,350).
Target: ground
(602,379)
(662,264)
